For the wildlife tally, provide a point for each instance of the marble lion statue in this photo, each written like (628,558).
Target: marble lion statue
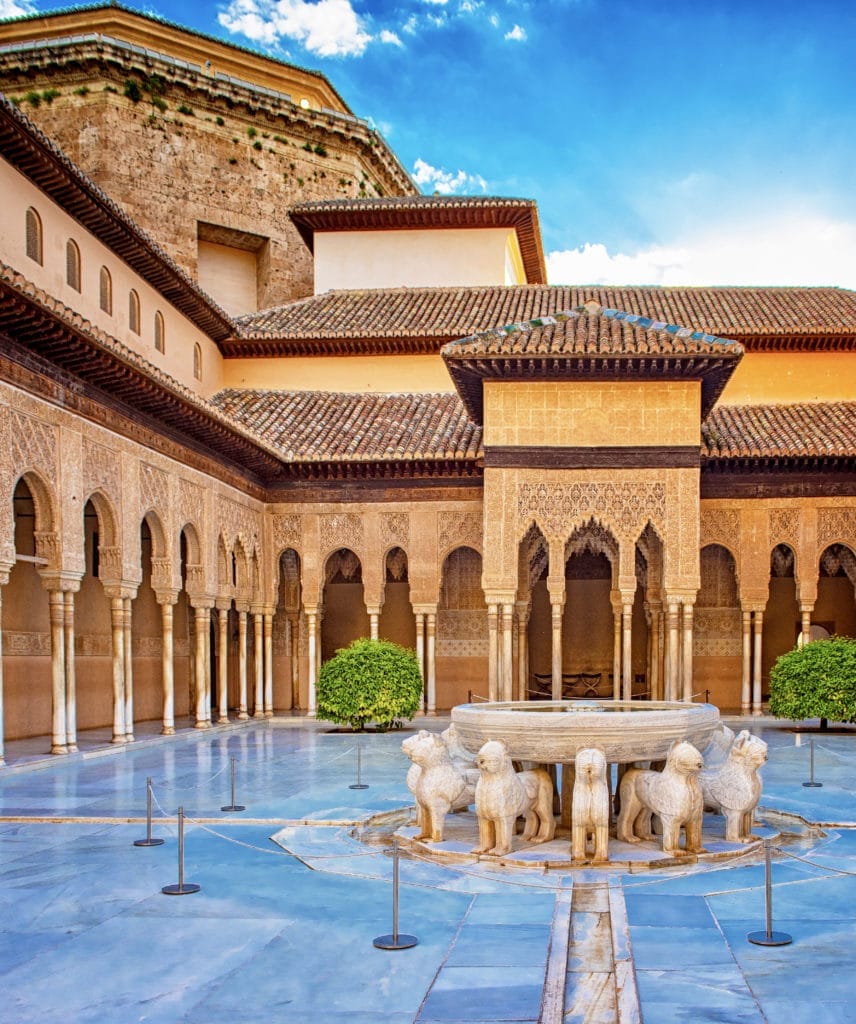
(674,795)
(437,783)
(718,747)
(733,787)
(502,795)
(590,806)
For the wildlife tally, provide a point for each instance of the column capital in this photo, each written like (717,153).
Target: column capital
(60,580)
(201,603)
(167,596)
(425,609)
(556,589)
(120,591)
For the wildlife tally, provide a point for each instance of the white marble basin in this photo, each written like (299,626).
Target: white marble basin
(553,731)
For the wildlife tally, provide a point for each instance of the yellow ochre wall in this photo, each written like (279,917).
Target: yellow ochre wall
(778,378)
(591,413)
(350,374)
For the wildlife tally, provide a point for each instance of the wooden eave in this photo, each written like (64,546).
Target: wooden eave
(469,374)
(38,159)
(307,344)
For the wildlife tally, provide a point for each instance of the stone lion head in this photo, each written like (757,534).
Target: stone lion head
(493,757)
(684,758)
(749,749)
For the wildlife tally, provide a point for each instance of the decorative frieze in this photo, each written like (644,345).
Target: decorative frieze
(101,470)
(837,525)
(719,526)
(459,529)
(287,532)
(340,530)
(623,505)
(394,529)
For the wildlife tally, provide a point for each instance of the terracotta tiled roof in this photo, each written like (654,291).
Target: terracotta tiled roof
(424,319)
(313,426)
(430,212)
(44,163)
(820,430)
(590,342)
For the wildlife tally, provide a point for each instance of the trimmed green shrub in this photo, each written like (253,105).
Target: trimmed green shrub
(816,681)
(370,681)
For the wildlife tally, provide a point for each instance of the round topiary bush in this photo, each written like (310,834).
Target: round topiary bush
(816,681)
(370,681)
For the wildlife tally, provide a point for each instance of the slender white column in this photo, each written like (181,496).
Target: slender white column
(616,650)
(430,631)
(58,731)
(294,648)
(687,642)
(268,631)
(129,671)
(117,622)
(419,618)
(492,639)
(70,676)
(203,713)
(672,625)
(556,610)
(258,666)
(242,665)
(627,649)
(507,629)
(756,667)
(522,656)
(654,659)
(374,621)
(312,637)
(222,665)
(746,683)
(167,668)
(805,624)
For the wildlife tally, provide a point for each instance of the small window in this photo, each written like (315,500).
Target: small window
(106,291)
(72,265)
(34,235)
(160,340)
(134,311)
(197,361)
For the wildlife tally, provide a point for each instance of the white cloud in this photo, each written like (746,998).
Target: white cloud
(16,8)
(517,34)
(434,179)
(796,249)
(410,25)
(390,37)
(329,28)
(494,20)
(437,3)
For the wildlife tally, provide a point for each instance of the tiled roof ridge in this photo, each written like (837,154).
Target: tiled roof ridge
(113,210)
(150,15)
(73,320)
(372,202)
(767,430)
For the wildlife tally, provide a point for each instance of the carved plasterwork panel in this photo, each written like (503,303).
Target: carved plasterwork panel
(154,490)
(717,633)
(785,526)
(836,524)
(32,443)
(191,504)
(340,530)
(623,506)
(394,528)
(287,532)
(101,470)
(21,644)
(462,633)
(720,526)
(236,520)
(459,529)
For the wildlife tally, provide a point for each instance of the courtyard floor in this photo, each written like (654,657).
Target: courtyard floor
(294,890)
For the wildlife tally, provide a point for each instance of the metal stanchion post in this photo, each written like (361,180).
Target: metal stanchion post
(395,941)
(811,784)
(233,806)
(359,784)
(148,841)
(183,888)
(769,937)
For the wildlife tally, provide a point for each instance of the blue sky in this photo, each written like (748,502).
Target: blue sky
(665,142)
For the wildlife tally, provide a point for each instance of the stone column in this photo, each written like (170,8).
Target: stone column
(627,647)
(616,645)
(129,670)
(312,637)
(294,650)
(805,622)
(556,590)
(756,667)
(202,618)
(117,622)
(374,620)
(687,642)
(242,664)
(492,651)
(674,665)
(258,666)
(507,628)
(223,663)
(56,602)
(166,599)
(654,679)
(268,633)
(430,632)
(70,673)
(419,618)
(746,683)
(522,651)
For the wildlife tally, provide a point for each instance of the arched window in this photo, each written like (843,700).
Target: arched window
(134,311)
(106,290)
(34,235)
(197,361)
(160,337)
(72,265)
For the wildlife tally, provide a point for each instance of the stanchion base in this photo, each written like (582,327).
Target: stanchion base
(358,785)
(769,938)
(148,842)
(180,890)
(812,785)
(395,941)
(234,807)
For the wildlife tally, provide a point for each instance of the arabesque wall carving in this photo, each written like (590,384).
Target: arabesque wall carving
(836,524)
(101,470)
(340,530)
(394,528)
(559,507)
(459,529)
(287,532)
(719,526)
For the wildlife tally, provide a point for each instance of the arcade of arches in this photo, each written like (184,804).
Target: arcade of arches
(136,589)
